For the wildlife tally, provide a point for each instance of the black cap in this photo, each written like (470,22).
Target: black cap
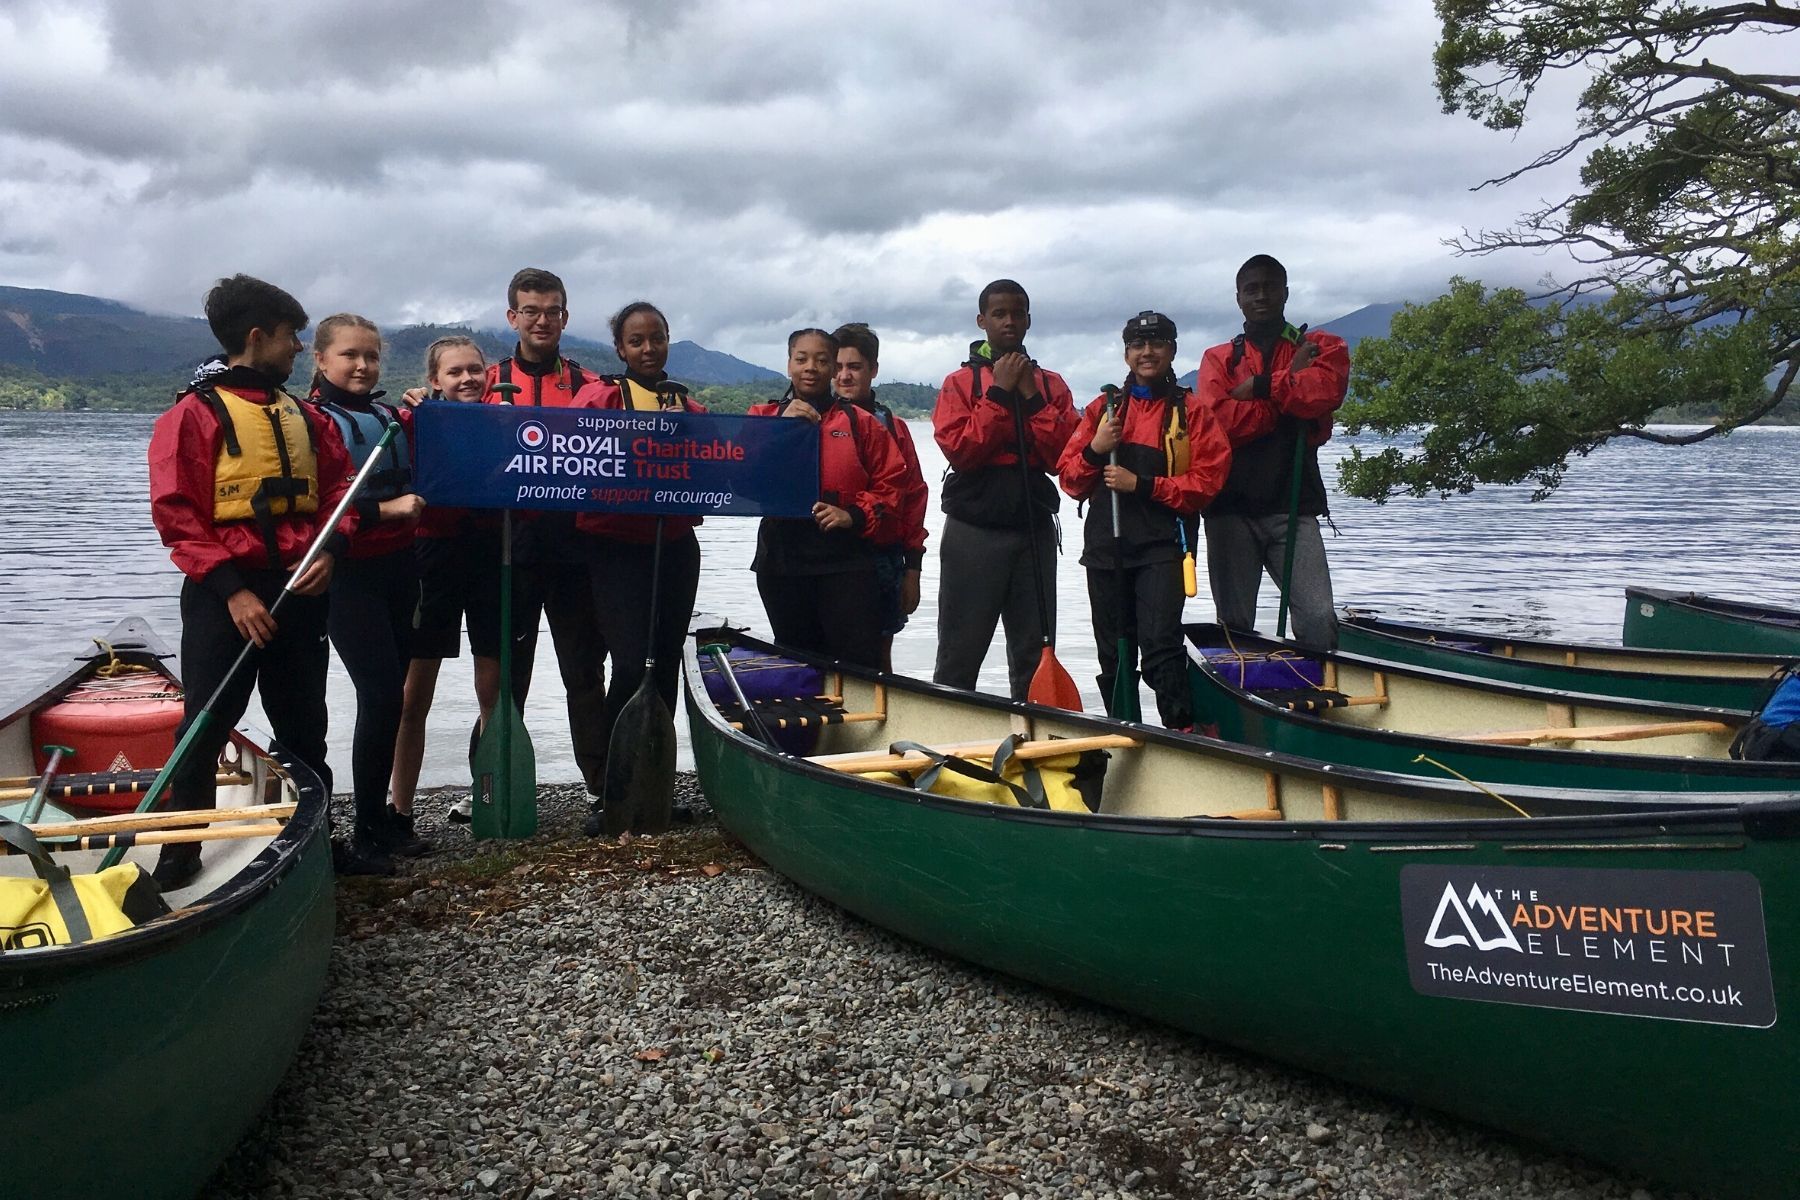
(1151,326)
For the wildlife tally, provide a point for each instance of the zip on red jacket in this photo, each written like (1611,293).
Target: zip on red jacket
(976,427)
(185,446)
(610,391)
(1286,404)
(860,471)
(1181,458)
(915,496)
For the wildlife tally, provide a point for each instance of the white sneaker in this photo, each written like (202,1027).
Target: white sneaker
(462,812)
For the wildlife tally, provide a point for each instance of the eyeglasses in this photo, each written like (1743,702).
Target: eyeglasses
(1146,343)
(532,315)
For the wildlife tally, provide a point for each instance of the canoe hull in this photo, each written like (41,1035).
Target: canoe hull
(1674,679)
(140,1060)
(1684,621)
(1175,922)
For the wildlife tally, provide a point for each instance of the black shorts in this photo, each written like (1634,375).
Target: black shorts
(458,576)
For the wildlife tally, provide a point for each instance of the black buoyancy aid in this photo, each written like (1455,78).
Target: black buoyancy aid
(361,428)
(1261,482)
(267,466)
(998,496)
(1151,531)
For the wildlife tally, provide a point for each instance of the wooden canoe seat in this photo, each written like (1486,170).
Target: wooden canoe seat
(1318,699)
(1593,733)
(799,712)
(87,785)
(862,762)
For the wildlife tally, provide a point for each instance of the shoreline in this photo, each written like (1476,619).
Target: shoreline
(565,1017)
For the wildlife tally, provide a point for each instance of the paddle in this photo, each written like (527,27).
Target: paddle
(504,788)
(640,760)
(35,806)
(204,719)
(1051,685)
(753,723)
(1293,522)
(1123,704)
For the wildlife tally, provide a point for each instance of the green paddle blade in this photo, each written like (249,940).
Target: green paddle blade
(504,801)
(640,765)
(1124,706)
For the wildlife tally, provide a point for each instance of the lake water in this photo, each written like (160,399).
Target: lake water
(77,552)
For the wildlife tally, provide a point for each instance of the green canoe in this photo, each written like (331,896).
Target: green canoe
(1689,621)
(1415,944)
(1365,712)
(135,1062)
(1738,681)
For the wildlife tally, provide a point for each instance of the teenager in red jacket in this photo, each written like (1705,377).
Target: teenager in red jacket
(553,555)
(1156,447)
(242,479)
(898,565)
(992,509)
(623,545)
(817,575)
(375,590)
(1270,387)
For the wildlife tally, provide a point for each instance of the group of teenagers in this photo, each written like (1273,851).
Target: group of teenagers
(244,477)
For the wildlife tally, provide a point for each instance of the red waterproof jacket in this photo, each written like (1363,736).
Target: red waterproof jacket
(543,536)
(915,495)
(976,427)
(1286,405)
(861,471)
(1181,459)
(609,391)
(184,446)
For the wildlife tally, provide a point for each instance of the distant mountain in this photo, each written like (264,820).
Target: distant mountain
(1371,320)
(62,335)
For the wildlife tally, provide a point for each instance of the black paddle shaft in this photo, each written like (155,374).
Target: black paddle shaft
(1037,551)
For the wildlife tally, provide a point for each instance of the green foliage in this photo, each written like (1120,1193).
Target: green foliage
(1685,232)
(1493,388)
(24,388)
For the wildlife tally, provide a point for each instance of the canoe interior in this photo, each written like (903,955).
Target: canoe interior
(1168,776)
(1439,704)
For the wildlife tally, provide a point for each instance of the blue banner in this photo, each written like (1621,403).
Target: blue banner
(614,460)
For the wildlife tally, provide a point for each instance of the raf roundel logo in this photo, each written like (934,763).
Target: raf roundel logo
(533,435)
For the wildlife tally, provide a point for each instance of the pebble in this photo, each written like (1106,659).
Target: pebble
(573,1018)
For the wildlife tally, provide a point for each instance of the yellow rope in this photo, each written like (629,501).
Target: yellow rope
(1425,758)
(115,666)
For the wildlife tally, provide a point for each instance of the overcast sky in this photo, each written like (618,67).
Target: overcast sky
(751,167)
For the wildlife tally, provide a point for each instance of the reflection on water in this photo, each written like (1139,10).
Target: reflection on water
(78,552)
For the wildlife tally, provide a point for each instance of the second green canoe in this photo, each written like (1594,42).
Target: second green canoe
(1735,681)
(1689,621)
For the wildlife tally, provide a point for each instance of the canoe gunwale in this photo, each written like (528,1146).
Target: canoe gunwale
(1425,741)
(1435,635)
(270,866)
(1745,816)
(1717,607)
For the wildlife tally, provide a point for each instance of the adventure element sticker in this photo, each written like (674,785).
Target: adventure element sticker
(1680,945)
(612,460)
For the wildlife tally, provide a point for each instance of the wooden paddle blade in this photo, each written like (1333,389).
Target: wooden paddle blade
(504,795)
(640,765)
(1052,685)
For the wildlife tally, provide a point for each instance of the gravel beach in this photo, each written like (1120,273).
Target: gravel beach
(664,1017)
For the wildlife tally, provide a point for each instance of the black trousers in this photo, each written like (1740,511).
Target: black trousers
(836,615)
(621,581)
(563,592)
(372,604)
(1152,624)
(289,674)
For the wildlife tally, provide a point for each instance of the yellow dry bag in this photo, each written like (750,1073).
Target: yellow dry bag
(59,908)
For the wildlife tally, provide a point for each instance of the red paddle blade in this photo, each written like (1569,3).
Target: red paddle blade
(1052,686)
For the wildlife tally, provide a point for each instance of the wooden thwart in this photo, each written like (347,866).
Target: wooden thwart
(862,762)
(1593,733)
(770,722)
(168,837)
(177,819)
(81,786)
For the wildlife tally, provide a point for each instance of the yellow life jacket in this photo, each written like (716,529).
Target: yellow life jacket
(639,398)
(266,466)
